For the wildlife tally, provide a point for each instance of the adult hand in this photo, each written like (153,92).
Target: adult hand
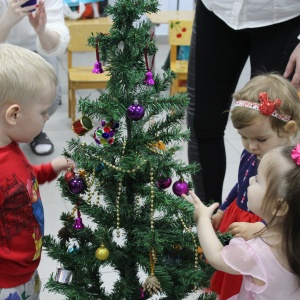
(38,19)
(245,230)
(200,210)
(15,13)
(294,64)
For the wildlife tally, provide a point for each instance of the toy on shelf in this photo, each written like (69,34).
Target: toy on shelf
(81,9)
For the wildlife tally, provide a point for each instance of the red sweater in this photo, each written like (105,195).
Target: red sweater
(21,215)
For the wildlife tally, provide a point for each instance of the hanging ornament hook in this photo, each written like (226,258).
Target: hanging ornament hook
(97,65)
(149,76)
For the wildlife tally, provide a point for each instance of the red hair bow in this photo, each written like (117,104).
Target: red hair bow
(266,106)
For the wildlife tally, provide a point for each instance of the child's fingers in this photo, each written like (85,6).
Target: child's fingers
(213,207)
(187,198)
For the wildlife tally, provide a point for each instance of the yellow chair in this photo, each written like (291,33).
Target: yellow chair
(81,77)
(180,32)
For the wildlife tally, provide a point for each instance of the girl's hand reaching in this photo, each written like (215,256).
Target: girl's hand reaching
(200,210)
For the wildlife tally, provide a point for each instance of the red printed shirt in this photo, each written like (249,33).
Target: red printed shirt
(21,215)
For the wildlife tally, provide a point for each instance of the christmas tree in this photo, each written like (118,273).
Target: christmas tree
(127,181)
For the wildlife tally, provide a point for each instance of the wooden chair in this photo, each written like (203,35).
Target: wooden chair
(81,77)
(180,32)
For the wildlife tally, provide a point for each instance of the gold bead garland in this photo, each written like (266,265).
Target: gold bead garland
(118,207)
(119,193)
(156,151)
(152,194)
(193,235)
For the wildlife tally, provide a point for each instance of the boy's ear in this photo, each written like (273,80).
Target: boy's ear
(281,208)
(11,114)
(290,127)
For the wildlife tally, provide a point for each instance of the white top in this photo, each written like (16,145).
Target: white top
(239,14)
(254,258)
(23,34)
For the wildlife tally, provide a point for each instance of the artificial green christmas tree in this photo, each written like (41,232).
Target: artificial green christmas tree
(122,178)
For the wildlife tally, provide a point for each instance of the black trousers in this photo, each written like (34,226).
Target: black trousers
(218,54)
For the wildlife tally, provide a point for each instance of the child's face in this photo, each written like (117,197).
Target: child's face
(259,137)
(33,116)
(257,189)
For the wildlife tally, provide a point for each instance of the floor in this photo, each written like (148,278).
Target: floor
(59,130)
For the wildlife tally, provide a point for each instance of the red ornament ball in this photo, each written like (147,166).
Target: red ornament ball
(69,175)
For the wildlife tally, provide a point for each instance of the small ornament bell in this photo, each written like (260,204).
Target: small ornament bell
(135,111)
(78,222)
(149,80)
(97,68)
(97,65)
(180,187)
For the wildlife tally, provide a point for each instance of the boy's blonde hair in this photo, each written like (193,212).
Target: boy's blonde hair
(277,87)
(23,74)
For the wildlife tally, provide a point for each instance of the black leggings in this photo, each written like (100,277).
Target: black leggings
(217,57)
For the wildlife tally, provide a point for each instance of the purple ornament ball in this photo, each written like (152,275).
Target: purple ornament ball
(135,112)
(180,187)
(77,185)
(163,183)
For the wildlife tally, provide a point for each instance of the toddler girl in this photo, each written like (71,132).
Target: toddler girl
(266,115)
(270,262)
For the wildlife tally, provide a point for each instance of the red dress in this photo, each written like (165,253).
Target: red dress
(235,207)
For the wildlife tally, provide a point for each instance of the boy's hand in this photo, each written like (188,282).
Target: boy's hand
(62,163)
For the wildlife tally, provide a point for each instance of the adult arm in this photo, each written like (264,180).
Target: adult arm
(294,64)
(14,14)
(49,39)
(53,37)
(47,22)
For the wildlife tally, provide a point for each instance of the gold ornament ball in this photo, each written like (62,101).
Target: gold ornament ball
(102,253)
